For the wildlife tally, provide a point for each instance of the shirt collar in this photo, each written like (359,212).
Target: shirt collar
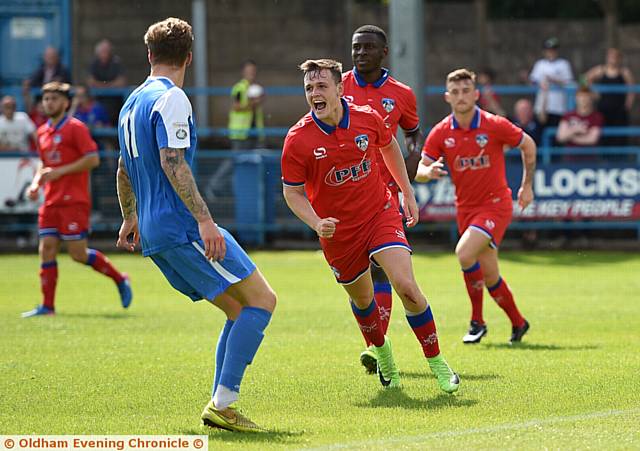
(328,129)
(60,124)
(376,84)
(475,122)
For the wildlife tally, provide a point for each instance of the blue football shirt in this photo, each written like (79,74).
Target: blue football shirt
(155,116)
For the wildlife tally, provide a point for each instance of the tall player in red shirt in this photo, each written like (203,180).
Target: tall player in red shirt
(472,142)
(332,183)
(368,83)
(68,154)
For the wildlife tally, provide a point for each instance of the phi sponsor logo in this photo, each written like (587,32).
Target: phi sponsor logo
(388,105)
(449,142)
(482,139)
(478,162)
(489,224)
(362,141)
(337,177)
(320,153)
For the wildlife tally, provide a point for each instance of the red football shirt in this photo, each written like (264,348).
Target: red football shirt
(475,156)
(65,143)
(595,119)
(394,101)
(337,165)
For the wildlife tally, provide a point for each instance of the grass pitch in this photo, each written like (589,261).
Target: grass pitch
(96,369)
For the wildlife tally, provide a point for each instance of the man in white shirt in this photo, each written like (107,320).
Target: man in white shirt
(15,127)
(551,74)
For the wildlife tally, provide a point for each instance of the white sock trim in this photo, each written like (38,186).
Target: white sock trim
(224,397)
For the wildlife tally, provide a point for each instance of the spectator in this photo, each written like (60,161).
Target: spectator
(246,110)
(489,100)
(50,70)
(551,74)
(15,127)
(85,108)
(614,106)
(583,126)
(106,71)
(524,118)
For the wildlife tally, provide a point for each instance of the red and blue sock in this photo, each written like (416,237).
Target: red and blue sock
(48,282)
(474,280)
(99,262)
(369,322)
(424,327)
(382,295)
(501,293)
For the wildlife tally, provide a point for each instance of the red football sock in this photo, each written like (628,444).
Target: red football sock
(369,322)
(99,262)
(504,298)
(383,297)
(48,282)
(424,327)
(474,281)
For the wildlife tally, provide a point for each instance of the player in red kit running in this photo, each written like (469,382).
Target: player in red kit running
(368,83)
(67,154)
(472,142)
(332,183)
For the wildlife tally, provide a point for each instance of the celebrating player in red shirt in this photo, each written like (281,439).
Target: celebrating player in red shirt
(368,83)
(472,142)
(331,156)
(68,154)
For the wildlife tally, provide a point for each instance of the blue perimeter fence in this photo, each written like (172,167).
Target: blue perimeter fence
(244,191)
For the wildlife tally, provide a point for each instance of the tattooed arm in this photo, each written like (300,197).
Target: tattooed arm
(179,174)
(127,201)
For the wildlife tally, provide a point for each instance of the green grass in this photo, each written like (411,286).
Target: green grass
(96,369)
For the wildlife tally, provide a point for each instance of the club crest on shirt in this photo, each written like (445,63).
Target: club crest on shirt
(57,139)
(181,133)
(362,141)
(388,104)
(482,139)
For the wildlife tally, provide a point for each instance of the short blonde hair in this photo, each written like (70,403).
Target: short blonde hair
(333,66)
(58,88)
(461,74)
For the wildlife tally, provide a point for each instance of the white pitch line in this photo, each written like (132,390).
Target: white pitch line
(483,430)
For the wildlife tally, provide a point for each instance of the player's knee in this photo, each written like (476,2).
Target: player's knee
(465,257)
(79,256)
(266,300)
(409,292)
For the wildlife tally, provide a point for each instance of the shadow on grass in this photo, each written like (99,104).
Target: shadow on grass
(395,397)
(538,347)
(269,436)
(568,257)
(428,376)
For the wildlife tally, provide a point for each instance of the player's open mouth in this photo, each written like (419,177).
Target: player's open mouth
(319,105)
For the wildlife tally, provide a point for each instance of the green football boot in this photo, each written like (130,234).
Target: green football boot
(387,369)
(369,360)
(447,379)
(229,419)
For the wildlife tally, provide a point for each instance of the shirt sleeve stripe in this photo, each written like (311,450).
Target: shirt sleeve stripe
(413,129)
(425,154)
(288,183)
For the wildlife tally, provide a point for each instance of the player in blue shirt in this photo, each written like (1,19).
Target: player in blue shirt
(162,209)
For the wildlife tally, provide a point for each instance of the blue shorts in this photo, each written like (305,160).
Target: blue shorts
(191,273)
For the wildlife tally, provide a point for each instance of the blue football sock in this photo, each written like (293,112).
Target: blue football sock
(220,352)
(242,344)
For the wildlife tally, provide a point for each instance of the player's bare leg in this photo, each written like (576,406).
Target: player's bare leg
(397,264)
(48,249)
(81,253)
(248,305)
(367,314)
